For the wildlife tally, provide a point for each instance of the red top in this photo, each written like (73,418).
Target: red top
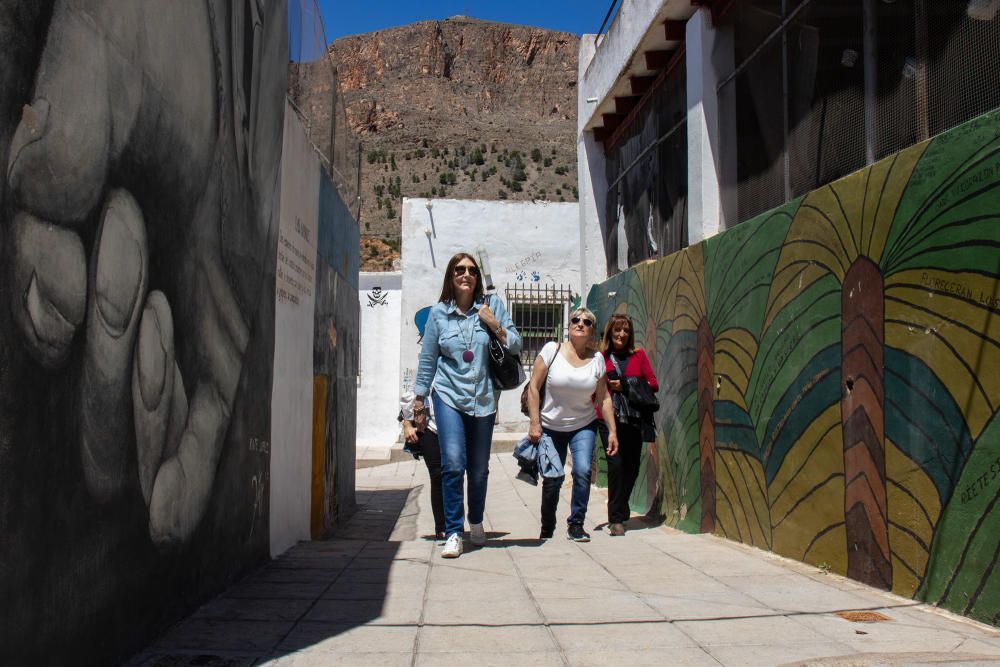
(638,366)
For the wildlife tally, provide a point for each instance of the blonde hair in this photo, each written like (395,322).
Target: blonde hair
(585,312)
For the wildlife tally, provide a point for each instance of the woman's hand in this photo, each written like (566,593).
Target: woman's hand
(612,447)
(410,433)
(534,431)
(419,415)
(615,385)
(488,318)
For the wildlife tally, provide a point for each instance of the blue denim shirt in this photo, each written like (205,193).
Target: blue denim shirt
(464,385)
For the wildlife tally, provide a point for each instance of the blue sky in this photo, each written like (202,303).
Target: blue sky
(349,17)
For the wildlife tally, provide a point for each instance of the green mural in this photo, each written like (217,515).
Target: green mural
(825,374)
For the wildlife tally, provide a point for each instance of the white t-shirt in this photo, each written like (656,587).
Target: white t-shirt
(568,390)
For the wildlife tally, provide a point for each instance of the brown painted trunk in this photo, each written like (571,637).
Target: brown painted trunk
(863,421)
(706,424)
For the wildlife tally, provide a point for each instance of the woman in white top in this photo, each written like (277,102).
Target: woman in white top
(572,374)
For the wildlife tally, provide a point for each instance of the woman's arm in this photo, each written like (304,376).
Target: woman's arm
(608,412)
(538,374)
(426,368)
(647,370)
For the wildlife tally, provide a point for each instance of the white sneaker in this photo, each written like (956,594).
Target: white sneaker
(452,546)
(478,534)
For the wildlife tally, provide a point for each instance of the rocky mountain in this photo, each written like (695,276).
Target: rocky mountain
(458,108)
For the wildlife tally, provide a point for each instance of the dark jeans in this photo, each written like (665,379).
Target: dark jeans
(581,444)
(623,469)
(432,459)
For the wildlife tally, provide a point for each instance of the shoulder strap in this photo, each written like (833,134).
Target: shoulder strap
(617,367)
(549,364)
(552,360)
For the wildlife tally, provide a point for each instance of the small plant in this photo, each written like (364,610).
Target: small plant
(536,155)
(825,567)
(502,194)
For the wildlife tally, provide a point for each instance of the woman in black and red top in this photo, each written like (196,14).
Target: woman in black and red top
(620,352)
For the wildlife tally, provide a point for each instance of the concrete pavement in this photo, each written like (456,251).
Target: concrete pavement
(379,594)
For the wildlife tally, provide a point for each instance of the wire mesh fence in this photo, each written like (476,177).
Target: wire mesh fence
(646,167)
(540,313)
(820,88)
(314,93)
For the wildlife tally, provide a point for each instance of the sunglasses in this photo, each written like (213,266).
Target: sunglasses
(461,270)
(586,322)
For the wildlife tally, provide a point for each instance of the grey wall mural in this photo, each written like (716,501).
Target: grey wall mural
(142,146)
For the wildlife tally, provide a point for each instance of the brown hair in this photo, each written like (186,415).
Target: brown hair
(448,288)
(616,321)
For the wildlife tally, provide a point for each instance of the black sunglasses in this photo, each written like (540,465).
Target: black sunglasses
(586,322)
(461,269)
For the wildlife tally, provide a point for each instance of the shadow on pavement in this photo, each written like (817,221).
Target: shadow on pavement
(307,596)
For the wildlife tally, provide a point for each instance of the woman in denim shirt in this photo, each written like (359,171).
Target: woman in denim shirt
(454,361)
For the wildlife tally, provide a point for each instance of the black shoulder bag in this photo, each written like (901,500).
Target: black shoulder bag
(505,366)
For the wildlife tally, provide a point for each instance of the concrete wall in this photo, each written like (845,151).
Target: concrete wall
(828,373)
(527,243)
(335,363)
(139,224)
(292,397)
(380,299)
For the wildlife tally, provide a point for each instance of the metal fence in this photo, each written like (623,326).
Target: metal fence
(646,213)
(821,88)
(314,93)
(540,313)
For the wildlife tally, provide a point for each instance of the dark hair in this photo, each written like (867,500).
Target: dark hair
(448,288)
(616,321)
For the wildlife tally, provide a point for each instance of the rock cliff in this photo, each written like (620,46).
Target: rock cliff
(458,108)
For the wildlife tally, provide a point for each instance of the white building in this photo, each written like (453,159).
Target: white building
(529,250)
(378,366)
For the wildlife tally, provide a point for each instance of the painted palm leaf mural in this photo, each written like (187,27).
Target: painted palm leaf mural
(663,298)
(889,237)
(831,374)
(738,269)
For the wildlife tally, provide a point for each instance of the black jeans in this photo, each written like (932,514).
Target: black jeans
(623,469)
(432,459)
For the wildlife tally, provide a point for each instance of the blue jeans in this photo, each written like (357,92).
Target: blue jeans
(581,444)
(465,448)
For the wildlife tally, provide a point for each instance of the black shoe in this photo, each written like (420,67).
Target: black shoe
(526,476)
(546,533)
(577,533)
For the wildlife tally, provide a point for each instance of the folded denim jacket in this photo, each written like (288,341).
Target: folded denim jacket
(538,458)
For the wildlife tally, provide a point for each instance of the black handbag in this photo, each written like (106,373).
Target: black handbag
(505,366)
(638,392)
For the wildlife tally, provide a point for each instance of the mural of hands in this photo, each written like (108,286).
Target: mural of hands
(142,179)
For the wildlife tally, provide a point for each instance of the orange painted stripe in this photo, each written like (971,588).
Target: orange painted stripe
(316,522)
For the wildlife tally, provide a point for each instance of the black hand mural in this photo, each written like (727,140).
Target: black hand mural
(142,180)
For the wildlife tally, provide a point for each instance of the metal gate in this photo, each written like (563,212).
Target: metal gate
(540,313)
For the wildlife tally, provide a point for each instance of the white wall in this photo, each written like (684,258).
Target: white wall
(378,367)
(520,237)
(592,184)
(292,394)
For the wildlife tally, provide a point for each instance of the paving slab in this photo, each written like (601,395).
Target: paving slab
(380,594)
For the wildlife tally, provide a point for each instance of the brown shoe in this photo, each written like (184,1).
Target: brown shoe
(616,529)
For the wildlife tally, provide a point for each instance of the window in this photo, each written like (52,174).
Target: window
(539,313)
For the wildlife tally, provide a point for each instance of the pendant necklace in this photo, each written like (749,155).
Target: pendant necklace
(467,356)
